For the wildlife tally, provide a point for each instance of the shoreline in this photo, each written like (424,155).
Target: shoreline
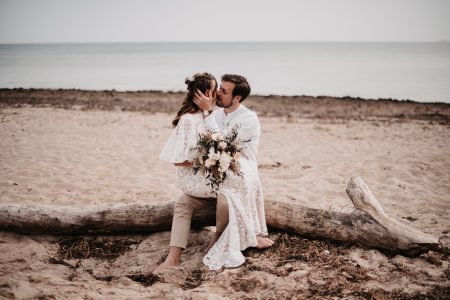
(346,97)
(302,106)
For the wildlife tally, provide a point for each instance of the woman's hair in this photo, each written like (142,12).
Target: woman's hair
(200,81)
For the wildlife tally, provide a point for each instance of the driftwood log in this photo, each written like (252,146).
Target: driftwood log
(367,225)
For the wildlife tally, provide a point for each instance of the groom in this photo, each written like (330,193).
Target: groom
(234,89)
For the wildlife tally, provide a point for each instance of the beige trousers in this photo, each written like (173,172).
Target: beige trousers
(182,216)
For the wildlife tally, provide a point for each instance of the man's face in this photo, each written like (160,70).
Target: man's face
(225,94)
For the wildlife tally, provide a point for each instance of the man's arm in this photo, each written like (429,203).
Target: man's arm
(250,129)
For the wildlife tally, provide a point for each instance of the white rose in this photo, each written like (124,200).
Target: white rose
(217,136)
(210,162)
(222,145)
(213,155)
(224,162)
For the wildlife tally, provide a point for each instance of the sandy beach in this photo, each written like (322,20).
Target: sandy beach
(74,147)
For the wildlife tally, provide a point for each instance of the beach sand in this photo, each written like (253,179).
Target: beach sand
(71,147)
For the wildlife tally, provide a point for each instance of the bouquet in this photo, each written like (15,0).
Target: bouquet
(216,154)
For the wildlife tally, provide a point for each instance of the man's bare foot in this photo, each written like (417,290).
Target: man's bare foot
(165,265)
(214,239)
(263,242)
(172,259)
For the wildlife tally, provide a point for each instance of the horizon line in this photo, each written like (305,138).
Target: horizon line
(212,42)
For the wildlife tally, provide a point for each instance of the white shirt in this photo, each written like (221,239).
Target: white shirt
(249,127)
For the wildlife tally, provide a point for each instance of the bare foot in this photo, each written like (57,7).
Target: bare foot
(214,239)
(165,265)
(263,242)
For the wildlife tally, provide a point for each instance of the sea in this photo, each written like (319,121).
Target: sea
(403,71)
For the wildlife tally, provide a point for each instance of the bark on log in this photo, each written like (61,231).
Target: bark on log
(93,219)
(368,225)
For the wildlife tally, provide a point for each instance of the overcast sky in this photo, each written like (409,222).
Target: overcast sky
(73,21)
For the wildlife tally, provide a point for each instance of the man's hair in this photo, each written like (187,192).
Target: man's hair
(241,86)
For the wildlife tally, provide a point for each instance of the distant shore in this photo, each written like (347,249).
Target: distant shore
(322,107)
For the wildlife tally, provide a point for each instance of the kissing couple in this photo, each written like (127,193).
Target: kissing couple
(238,200)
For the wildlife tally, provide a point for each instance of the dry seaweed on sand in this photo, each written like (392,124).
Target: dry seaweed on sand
(321,107)
(144,279)
(194,279)
(330,272)
(100,248)
(437,292)
(291,247)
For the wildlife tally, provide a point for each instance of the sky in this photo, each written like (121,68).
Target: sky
(85,21)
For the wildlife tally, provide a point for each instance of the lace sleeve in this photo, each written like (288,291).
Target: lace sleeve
(182,142)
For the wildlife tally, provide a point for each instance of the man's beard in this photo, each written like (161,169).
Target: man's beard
(220,103)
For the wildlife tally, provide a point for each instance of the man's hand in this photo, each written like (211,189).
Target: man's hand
(204,102)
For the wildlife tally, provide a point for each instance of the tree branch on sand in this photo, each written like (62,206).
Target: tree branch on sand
(367,225)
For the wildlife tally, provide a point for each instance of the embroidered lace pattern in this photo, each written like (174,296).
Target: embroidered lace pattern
(243,194)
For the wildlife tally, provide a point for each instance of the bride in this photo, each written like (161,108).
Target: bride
(240,203)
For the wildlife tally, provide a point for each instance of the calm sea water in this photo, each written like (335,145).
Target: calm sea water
(416,71)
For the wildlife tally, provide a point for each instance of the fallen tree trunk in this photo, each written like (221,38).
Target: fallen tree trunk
(94,219)
(368,225)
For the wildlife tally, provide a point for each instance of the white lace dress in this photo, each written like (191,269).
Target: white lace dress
(244,195)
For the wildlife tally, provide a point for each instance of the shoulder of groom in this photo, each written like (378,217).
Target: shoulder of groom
(251,113)
(251,117)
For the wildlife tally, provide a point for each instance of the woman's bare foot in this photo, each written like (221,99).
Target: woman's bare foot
(214,239)
(264,242)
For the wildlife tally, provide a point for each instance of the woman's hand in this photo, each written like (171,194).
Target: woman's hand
(204,102)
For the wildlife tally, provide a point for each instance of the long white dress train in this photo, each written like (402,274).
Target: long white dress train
(243,194)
